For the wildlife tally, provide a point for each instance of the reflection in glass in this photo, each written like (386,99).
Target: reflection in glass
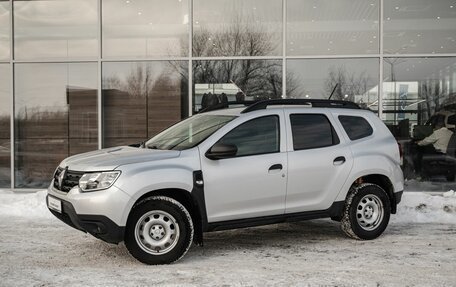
(327,27)
(237,28)
(347,79)
(55,116)
(142,98)
(5,143)
(419,26)
(4,30)
(145,28)
(218,82)
(419,94)
(59,29)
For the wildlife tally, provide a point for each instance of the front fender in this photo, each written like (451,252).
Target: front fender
(140,181)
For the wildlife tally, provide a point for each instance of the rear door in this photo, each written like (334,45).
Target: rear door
(319,160)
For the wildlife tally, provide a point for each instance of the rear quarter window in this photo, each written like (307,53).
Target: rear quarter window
(356,127)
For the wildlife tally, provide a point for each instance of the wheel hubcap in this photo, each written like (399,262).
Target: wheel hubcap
(157,232)
(369,212)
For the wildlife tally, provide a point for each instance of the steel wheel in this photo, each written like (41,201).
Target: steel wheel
(369,212)
(157,232)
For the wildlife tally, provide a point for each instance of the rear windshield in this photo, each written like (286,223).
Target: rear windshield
(188,133)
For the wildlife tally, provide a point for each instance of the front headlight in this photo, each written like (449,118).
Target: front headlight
(98,180)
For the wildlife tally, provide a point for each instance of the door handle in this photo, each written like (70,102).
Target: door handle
(339,160)
(276,167)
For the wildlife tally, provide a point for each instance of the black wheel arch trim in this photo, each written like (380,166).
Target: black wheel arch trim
(199,202)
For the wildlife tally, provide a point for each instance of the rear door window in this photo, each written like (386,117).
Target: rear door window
(312,131)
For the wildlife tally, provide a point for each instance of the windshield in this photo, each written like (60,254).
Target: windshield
(188,133)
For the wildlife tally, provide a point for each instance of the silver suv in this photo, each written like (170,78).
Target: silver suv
(271,162)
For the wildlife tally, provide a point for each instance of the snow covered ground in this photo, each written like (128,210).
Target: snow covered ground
(418,248)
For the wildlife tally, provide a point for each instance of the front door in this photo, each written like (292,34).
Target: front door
(253,182)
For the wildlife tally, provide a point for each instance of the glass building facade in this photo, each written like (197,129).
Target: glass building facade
(78,75)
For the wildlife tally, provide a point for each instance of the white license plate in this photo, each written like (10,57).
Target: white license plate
(55,204)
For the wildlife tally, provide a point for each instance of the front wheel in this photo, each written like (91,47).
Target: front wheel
(159,230)
(367,212)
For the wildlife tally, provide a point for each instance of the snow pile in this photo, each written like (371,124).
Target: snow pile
(29,205)
(415,207)
(449,193)
(420,207)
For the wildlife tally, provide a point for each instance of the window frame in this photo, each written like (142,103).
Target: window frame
(334,135)
(250,120)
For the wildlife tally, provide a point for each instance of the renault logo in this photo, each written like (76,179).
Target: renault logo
(62,177)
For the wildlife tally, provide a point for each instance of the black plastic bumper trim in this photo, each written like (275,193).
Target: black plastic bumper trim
(97,225)
(398,196)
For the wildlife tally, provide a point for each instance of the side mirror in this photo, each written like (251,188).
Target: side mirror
(220,150)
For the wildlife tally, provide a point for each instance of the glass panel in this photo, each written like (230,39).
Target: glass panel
(257,136)
(419,97)
(55,116)
(55,29)
(188,133)
(140,99)
(145,28)
(237,28)
(235,80)
(356,127)
(347,79)
(327,27)
(419,26)
(5,141)
(312,131)
(4,30)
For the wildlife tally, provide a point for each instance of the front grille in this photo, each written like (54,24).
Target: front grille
(70,179)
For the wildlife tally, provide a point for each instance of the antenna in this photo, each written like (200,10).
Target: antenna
(334,89)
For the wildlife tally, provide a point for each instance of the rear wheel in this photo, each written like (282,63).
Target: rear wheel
(159,231)
(367,212)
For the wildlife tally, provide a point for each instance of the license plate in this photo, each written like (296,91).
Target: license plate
(55,204)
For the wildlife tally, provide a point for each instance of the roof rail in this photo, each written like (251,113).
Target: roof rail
(316,103)
(222,106)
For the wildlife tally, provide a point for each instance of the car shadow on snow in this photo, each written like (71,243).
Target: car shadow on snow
(286,237)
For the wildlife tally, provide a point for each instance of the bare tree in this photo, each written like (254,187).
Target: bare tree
(257,78)
(348,85)
(433,93)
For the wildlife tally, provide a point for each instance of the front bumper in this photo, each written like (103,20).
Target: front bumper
(98,225)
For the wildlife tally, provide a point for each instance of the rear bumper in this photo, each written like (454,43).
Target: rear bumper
(98,225)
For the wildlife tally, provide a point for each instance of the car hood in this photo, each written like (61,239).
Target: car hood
(110,158)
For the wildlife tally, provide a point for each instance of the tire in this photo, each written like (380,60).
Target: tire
(366,213)
(159,231)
